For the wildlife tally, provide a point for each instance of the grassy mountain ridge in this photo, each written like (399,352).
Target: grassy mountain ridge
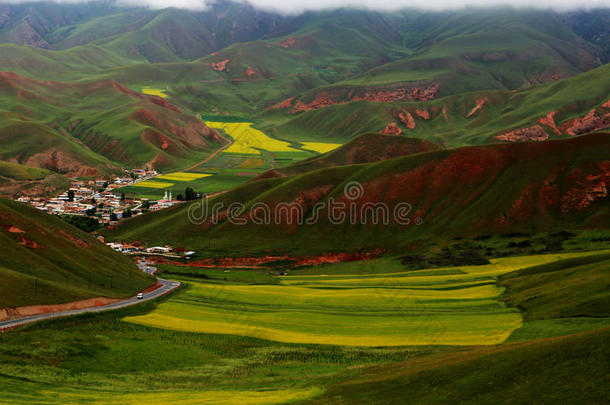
(526,187)
(464,119)
(20,179)
(366,148)
(153,35)
(44,260)
(96,127)
(533,371)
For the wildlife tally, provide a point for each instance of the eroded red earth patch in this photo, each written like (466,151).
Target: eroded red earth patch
(532,133)
(269,260)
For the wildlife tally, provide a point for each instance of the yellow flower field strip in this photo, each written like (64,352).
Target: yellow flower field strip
(386,331)
(387,311)
(320,147)
(279,295)
(249,140)
(154,92)
(497,267)
(186,397)
(183,176)
(368,316)
(153,184)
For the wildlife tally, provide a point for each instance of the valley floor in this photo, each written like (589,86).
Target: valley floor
(353,332)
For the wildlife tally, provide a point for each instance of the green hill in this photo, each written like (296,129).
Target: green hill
(16,179)
(464,119)
(551,362)
(568,369)
(44,260)
(494,189)
(96,127)
(366,148)
(574,288)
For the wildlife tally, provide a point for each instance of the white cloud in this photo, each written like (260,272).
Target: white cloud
(297,6)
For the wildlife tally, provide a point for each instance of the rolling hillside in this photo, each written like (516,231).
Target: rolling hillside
(565,310)
(140,33)
(518,187)
(235,59)
(536,371)
(366,148)
(96,127)
(572,106)
(16,179)
(44,260)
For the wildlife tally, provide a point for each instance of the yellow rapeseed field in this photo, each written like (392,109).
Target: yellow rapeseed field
(249,140)
(187,397)
(153,184)
(154,91)
(320,147)
(183,176)
(448,306)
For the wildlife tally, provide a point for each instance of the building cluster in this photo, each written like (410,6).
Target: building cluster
(101,198)
(166,250)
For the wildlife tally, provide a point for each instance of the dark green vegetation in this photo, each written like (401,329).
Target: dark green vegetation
(86,224)
(366,148)
(568,369)
(254,276)
(570,288)
(467,192)
(44,260)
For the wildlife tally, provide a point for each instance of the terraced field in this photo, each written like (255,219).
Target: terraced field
(448,306)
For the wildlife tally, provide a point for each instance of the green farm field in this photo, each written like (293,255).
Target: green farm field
(445,306)
(209,181)
(250,154)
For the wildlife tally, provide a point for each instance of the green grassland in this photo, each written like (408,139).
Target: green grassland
(218,180)
(16,179)
(98,124)
(542,367)
(44,260)
(107,358)
(502,176)
(450,306)
(503,110)
(568,369)
(21,172)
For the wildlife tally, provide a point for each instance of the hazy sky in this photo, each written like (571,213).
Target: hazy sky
(296,6)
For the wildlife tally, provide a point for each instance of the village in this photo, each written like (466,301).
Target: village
(100,199)
(164,251)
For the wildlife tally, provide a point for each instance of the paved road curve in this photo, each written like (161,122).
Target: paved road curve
(166,287)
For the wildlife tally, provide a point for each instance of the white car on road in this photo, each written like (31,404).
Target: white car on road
(140,296)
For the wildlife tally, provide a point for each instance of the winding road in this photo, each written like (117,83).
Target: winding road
(166,287)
